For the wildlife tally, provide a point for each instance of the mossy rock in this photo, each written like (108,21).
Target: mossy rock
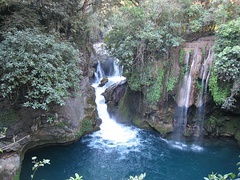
(126,109)
(141,123)
(7,117)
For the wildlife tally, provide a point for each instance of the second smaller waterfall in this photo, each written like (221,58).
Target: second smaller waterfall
(193,92)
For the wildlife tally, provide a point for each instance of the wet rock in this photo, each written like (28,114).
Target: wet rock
(113,94)
(103,82)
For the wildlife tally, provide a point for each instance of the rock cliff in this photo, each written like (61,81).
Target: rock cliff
(61,125)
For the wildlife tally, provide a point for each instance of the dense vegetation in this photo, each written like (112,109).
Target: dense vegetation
(149,33)
(39,43)
(225,80)
(38,69)
(39,51)
(143,35)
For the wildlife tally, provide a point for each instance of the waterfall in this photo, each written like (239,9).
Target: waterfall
(204,76)
(99,73)
(197,71)
(112,135)
(185,92)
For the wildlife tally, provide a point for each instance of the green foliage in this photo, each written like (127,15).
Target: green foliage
(219,91)
(21,18)
(50,119)
(4,3)
(171,83)
(3,131)
(141,77)
(7,116)
(38,69)
(181,57)
(86,126)
(227,50)
(136,38)
(140,37)
(17,176)
(227,64)
(154,92)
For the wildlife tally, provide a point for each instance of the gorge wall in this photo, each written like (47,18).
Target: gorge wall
(61,125)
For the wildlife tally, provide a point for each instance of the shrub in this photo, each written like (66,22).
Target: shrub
(37,69)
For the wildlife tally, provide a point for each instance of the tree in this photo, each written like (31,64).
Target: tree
(38,69)
(142,36)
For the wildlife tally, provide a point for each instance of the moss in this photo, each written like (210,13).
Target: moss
(17,176)
(141,123)
(86,127)
(154,92)
(171,83)
(7,117)
(181,58)
(124,111)
(219,92)
(62,124)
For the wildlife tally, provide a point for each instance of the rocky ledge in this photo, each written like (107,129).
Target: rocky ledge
(61,125)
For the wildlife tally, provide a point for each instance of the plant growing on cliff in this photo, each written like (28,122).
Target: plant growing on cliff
(37,69)
(219,91)
(226,70)
(86,126)
(154,92)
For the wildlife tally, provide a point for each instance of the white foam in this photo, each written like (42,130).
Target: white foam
(112,136)
(183,146)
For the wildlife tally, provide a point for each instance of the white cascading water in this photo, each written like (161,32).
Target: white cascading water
(112,136)
(205,74)
(185,92)
(118,137)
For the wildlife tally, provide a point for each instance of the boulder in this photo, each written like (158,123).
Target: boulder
(9,166)
(113,94)
(103,82)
